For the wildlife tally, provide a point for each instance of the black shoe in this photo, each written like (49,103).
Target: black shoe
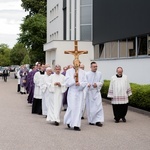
(77,129)
(124,119)
(82,118)
(99,124)
(91,123)
(56,123)
(117,121)
(68,125)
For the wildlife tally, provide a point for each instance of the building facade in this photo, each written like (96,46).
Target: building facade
(115,33)
(68,20)
(121,37)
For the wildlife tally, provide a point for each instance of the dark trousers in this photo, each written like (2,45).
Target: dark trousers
(5,78)
(37,106)
(120,111)
(18,88)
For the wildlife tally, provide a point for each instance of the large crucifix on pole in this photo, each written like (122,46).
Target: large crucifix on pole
(76,61)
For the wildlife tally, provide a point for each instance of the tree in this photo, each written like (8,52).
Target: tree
(26,60)
(4,55)
(34,6)
(33,30)
(18,53)
(34,36)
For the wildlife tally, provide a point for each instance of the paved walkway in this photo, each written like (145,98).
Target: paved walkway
(21,130)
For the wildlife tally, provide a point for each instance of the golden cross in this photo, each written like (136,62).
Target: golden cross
(76,61)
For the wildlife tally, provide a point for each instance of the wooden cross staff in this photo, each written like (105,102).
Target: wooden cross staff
(76,61)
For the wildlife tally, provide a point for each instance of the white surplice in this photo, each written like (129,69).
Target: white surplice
(119,90)
(37,89)
(56,97)
(74,97)
(84,100)
(94,106)
(45,93)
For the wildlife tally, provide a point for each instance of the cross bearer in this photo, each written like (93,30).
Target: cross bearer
(76,81)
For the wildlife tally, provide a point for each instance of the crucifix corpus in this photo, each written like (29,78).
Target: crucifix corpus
(76,61)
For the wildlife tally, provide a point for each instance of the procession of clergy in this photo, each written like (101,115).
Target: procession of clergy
(48,90)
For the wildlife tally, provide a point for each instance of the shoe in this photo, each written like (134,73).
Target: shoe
(117,121)
(56,123)
(99,124)
(124,119)
(77,129)
(82,118)
(68,125)
(91,123)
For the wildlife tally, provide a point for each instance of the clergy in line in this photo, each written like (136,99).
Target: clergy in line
(119,91)
(57,88)
(31,84)
(45,91)
(94,106)
(73,114)
(37,101)
(23,74)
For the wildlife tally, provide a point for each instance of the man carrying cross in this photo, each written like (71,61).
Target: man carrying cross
(76,81)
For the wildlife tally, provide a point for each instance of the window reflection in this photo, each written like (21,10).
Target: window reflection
(131,47)
(114,49)
(123,48)
(142,45)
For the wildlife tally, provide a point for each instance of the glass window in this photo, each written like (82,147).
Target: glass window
(101,51)
(86,2)
(86,15)
(148,44)
(96,51)
(108,50)
(131,47)
(114,49)
(142,45)
(123,48)
(85,32)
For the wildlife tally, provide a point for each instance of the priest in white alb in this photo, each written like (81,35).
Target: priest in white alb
(74,98)
(94,106)
(37,100)
(45,91)
(119,90)
(57,88)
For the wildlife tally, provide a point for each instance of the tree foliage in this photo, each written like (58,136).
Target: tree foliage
(4,55)
(33,29)
(26,60)
(34,6)
(18,53)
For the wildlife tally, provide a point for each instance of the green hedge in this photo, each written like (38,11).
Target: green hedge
(140,97)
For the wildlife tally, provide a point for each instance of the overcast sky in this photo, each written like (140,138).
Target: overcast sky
(11,16)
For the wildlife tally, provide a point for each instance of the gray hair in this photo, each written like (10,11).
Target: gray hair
(57,66)
(48,68)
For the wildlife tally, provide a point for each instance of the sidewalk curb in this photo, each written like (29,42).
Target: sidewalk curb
(140,111)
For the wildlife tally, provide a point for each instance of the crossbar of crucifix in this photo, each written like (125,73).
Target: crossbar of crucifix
(76,61)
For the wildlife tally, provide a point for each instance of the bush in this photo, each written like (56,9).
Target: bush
(140,97)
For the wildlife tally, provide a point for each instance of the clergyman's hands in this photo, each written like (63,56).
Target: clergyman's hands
(57,83)
(95,85)
(89,85)
(77,83)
